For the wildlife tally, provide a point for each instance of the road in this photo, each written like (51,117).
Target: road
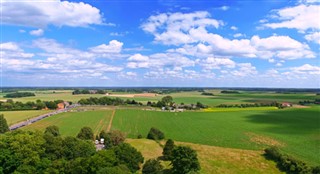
(40,117)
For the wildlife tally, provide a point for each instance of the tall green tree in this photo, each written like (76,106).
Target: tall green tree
(167,99)
(184,160)
(3,125)
(85,133)
(167,150)
(128,156)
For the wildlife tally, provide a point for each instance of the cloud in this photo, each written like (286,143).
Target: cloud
(224,8)
(114,46)
(38,32)
(159,61)
(172,28)
(238,35)
(301,17)
(52,12)
(138,58)
(306,68)
(216,63)
(234,28)
(313,37)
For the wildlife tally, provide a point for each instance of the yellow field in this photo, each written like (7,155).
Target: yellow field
(214,160)
(240,109)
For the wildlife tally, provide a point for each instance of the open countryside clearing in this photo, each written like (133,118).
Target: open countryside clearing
(296,131)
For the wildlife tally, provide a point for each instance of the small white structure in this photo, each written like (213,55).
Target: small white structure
(102,141)
(96,142)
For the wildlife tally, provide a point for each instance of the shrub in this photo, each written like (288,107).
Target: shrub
(128,156)
(152,166)
(155,134)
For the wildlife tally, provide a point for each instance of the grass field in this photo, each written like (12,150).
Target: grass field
(70,123)
(296,131)
(17,116)
(214,160)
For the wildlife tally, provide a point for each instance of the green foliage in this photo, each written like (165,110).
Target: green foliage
(114,138)
(85,133)
(3,125)
(121,169)
(207,93)
(287,163)
(167,150)
(155,134)
(53,130)
(152,166)
(167,100)
(74,148)
(19,94)
(184,160)
(128,156)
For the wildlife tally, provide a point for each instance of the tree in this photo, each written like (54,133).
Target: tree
(167,99)
(152,166)
(155,134)
(3,125)
(85,133)
(167,150)
(53,130)
(128,156)
(184,160)
(114,138)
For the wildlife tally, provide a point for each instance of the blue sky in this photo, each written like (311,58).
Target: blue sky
(160,43)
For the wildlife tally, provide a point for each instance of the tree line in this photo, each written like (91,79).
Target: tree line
(86,91)
(275,104)
(288,163)
(10,105)
(19,95)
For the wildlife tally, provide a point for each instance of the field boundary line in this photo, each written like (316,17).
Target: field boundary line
(111,119)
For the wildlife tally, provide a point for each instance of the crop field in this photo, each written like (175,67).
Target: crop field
(295,131)
(70,123)
(240,109)
(17,116)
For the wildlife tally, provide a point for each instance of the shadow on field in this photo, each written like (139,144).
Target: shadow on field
(289,121)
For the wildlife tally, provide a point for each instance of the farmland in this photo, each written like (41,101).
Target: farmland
(71,122)
(227,139)
(296,131)
(17,116)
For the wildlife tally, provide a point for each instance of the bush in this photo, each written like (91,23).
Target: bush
(53,130)
(286,163)
(155,134)
(114,138)
(152,166)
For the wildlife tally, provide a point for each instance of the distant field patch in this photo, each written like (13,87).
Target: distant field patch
(17,116)
(240,109)
(70,123)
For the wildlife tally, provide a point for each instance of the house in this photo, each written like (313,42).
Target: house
(60,105)
(286,104)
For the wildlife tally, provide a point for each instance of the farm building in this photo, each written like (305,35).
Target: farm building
(286,104)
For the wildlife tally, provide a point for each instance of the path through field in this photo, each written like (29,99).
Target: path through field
(110,123)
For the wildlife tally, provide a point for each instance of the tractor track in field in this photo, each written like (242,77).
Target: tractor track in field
(111,119)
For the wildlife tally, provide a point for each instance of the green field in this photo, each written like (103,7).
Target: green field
(70,123)
(17,116)
(296,131)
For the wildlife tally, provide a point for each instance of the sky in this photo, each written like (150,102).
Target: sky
(166,43)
